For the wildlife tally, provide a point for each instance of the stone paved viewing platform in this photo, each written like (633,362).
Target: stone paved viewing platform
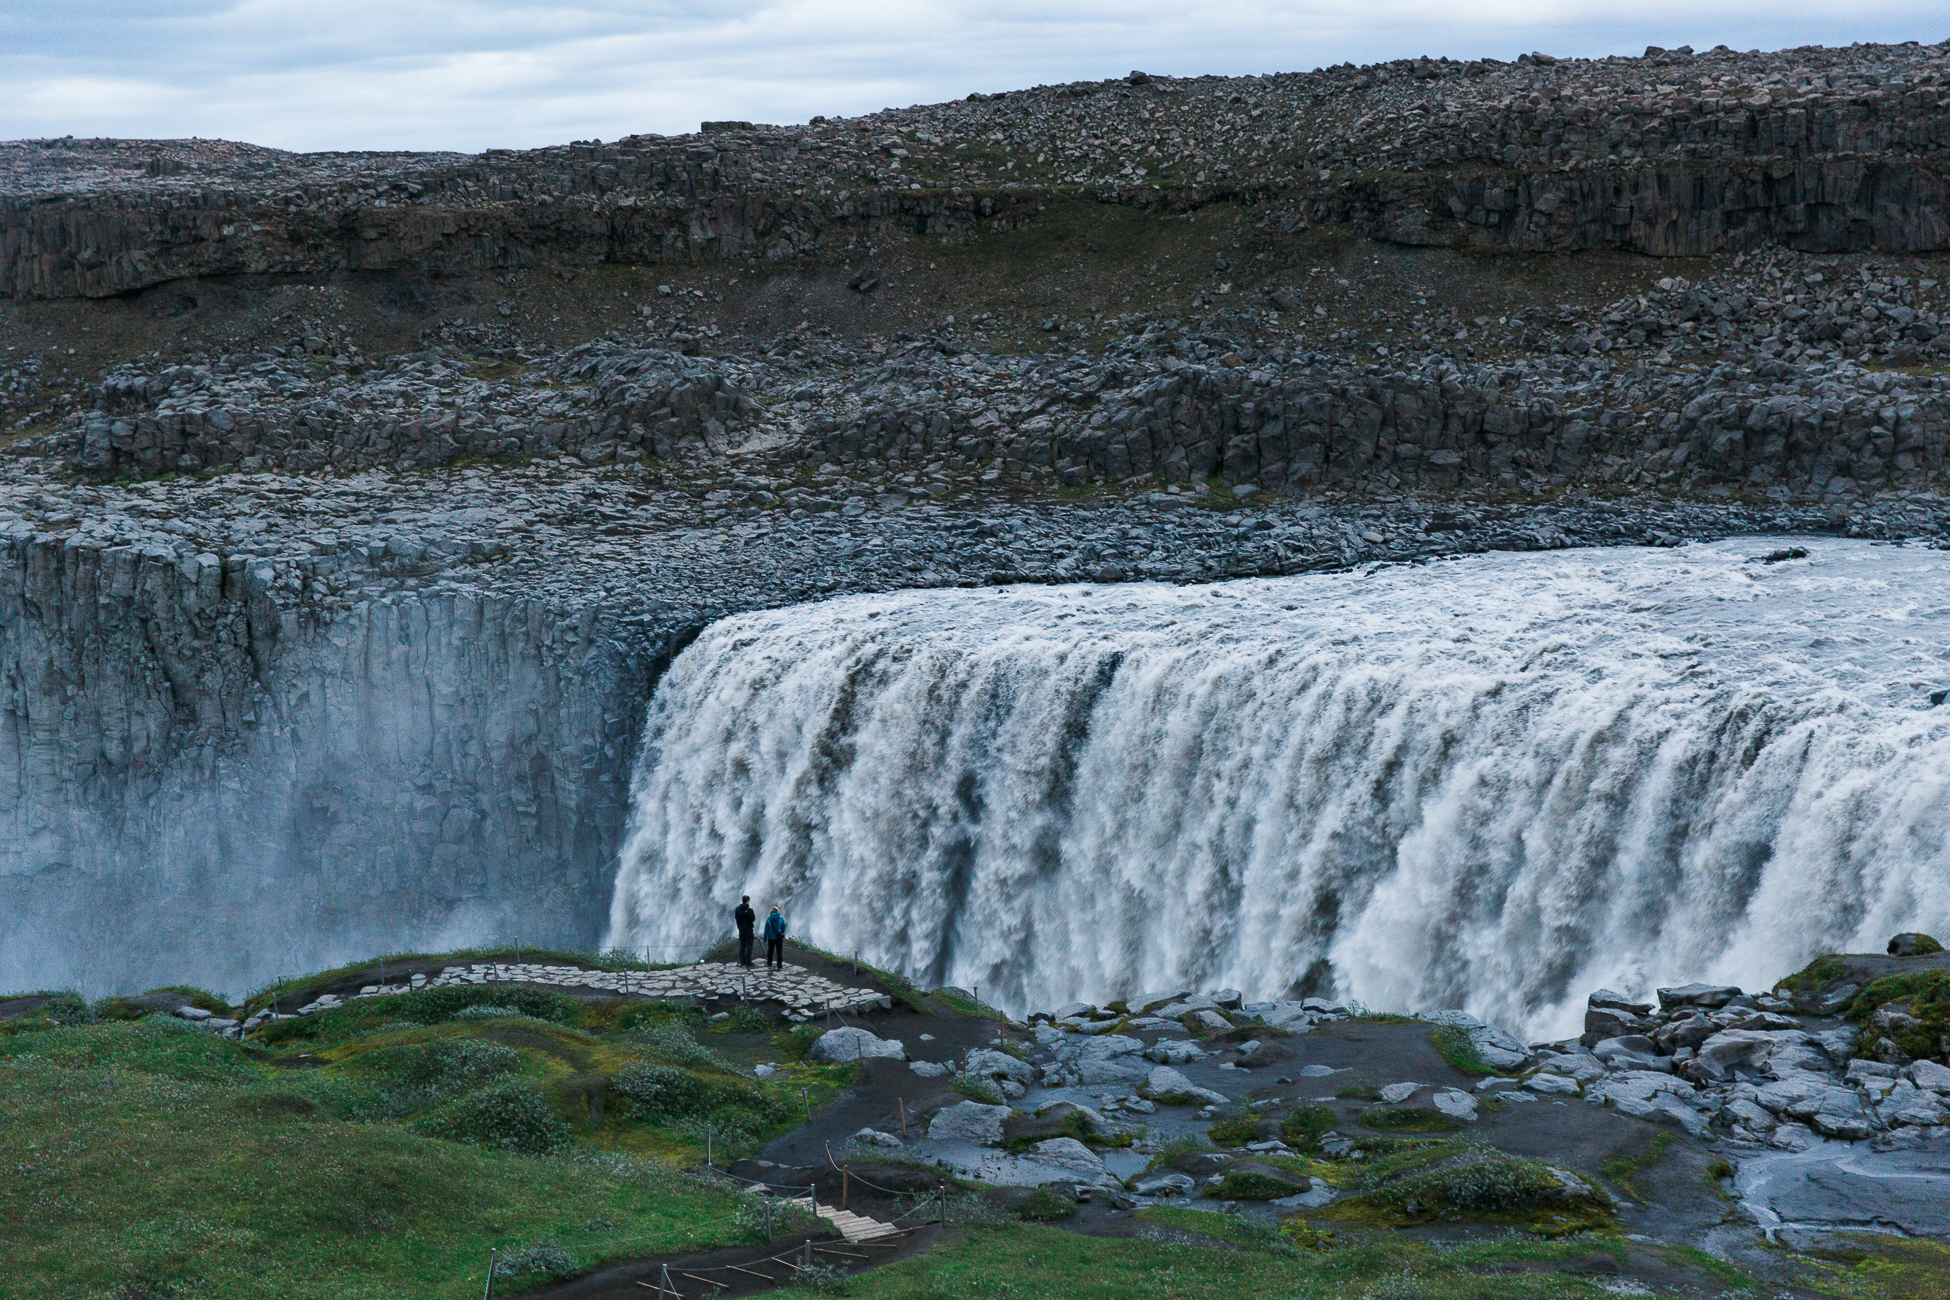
(803,993)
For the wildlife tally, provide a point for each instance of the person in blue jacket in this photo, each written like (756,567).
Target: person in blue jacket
(775,940)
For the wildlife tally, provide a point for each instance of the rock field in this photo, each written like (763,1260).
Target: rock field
(289,438)
(1806,1068)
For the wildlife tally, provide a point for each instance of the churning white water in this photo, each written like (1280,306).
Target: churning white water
(1494,783)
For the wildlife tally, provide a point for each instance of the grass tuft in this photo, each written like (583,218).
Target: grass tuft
(1452,1043)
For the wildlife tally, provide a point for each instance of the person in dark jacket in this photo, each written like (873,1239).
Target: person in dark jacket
(775,940)
(747,924)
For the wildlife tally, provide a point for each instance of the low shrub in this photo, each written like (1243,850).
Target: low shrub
(1045,1205)
(825,1279)
(1305,1125)
(417,1076)
(486,1011)
(796,1044)
(1492,1184)
(661,1093)
(510,1116)
(674,1045)
(1407,1119)
(1233,1130)
(545,1258)
(1359,1090)
(1255,1185)
(743,1020)
(426,1007)
(735,1115)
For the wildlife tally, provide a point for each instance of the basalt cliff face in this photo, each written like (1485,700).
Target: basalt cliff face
(352,505)
(198,763)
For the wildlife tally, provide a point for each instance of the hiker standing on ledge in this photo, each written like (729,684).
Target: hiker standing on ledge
(775,940)
(747,919)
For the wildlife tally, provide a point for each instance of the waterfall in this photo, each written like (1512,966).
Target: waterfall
(1493,783)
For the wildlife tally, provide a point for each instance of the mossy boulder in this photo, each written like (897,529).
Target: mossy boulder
(1063,1119)
(1483,1183)
(1255,1180)
(1912,944)
(1907,1012)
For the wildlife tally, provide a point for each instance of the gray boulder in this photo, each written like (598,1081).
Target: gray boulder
(1727,1050)
(987,1063)
(1164,997)
(931,1069)
(1163,1183)
(1697,995)
(1163,1081)
(969,1122)
(1928,1075)
(837,1046)
(1068,1154)
(1601,1023)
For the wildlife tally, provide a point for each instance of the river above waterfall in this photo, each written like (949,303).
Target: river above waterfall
(1494,782)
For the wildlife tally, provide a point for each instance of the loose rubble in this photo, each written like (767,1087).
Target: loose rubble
(1774,1070)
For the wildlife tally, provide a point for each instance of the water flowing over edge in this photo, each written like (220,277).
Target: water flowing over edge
(1493,784)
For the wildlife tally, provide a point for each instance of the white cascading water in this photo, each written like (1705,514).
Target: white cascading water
(1494,783)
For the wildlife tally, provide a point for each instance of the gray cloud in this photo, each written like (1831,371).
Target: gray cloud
(469,74)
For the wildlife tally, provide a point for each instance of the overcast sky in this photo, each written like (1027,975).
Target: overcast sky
(470,74)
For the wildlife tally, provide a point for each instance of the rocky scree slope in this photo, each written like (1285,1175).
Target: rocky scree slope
(1672,153)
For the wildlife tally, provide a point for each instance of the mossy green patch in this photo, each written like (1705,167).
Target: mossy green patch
(1928,996)
(1306,1124)
(128,1177)
(1235,1129)
(1725,1274)
(1483,1184)
(1407,1119)
(1895,1268)
(1243,1182)
(1621,1168)
(1453,1044)
(1817,974)
(1233,1229)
